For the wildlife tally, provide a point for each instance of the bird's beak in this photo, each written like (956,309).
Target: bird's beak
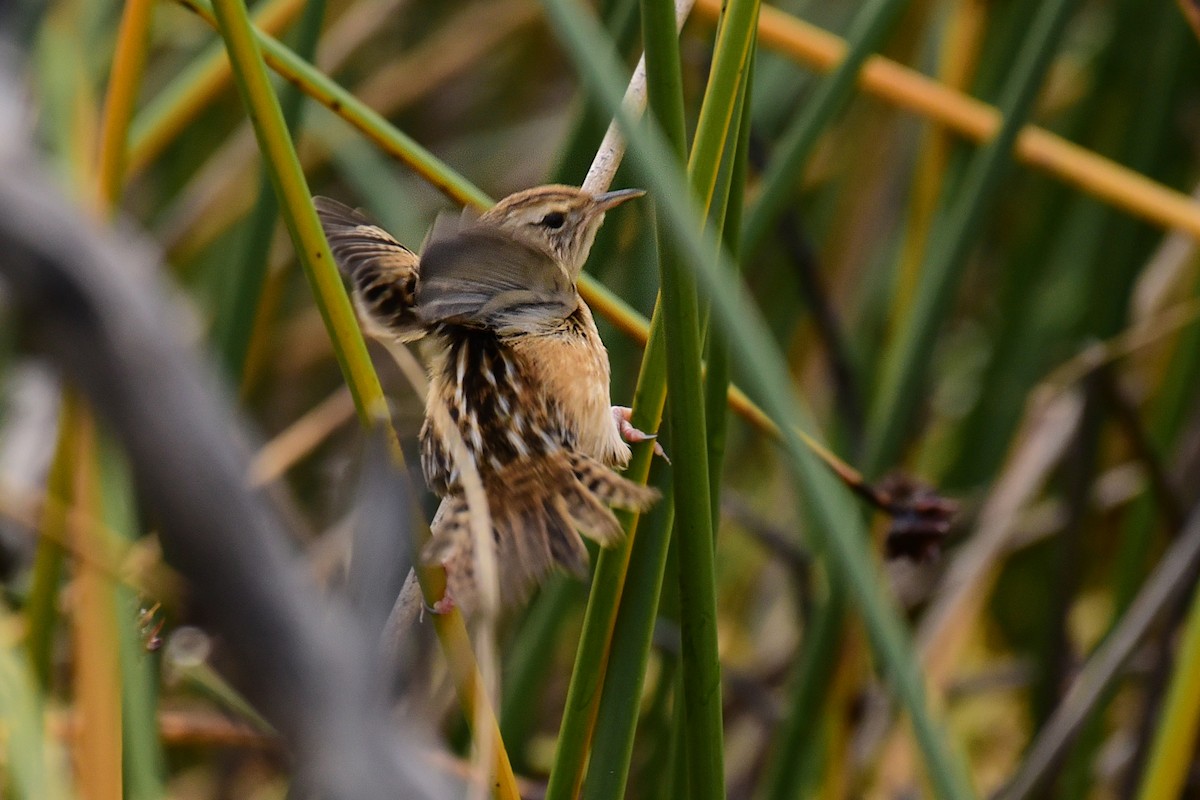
(603,202)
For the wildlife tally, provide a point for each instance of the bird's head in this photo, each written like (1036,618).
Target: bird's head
(559,220)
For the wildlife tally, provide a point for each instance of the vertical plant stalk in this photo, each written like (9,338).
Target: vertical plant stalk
(907,356)
(719,108)
(594,649)
(700,661)
(839,530)
(591,660)
(617,718)
(296,204)
(790,770)
(313,253)
(94,629)
(695,542)
(243,289)
(1172,754)
(169,113)
(34,763)
(42,607)
(625,675)
(731,187)
(112,493)
(145,767)
(964,32)
(123,83)
(871,25)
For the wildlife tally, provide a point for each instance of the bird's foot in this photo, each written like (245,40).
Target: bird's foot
(622,415)
(443,606)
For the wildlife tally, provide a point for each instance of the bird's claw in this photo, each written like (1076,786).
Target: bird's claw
(443,606)
(622,415)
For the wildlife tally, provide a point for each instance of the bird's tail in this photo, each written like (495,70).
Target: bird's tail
(538,508)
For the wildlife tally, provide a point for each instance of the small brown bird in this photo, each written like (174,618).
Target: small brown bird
(518,370)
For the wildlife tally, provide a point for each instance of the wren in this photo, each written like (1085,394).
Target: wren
(518,370)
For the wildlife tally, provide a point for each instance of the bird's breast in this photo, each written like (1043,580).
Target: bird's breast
(499,400)
(571,366)
(484,404)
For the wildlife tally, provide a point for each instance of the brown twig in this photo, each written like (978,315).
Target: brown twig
(188,728)
(1078,470)
(1171,578)
(1144,449)
(301,437)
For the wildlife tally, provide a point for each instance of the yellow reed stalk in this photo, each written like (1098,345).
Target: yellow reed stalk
(97,666)
(908,89)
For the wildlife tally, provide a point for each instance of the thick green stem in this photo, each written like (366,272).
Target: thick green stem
(838,528)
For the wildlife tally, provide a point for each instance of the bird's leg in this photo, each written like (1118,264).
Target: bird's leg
(622,415)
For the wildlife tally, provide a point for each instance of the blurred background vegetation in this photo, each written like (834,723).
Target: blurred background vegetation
(1012,329)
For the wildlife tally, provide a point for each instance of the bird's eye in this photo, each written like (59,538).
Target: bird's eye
(554,219)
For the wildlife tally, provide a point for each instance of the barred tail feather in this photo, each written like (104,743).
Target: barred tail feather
(609,487)
(538,507)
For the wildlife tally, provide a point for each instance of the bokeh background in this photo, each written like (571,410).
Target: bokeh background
(1009,330)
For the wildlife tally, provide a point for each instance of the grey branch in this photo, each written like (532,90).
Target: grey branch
(89,301)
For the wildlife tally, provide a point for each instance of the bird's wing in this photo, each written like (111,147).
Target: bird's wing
(476,275)
(381,271)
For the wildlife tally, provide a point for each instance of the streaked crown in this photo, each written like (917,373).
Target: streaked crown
(560,220)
